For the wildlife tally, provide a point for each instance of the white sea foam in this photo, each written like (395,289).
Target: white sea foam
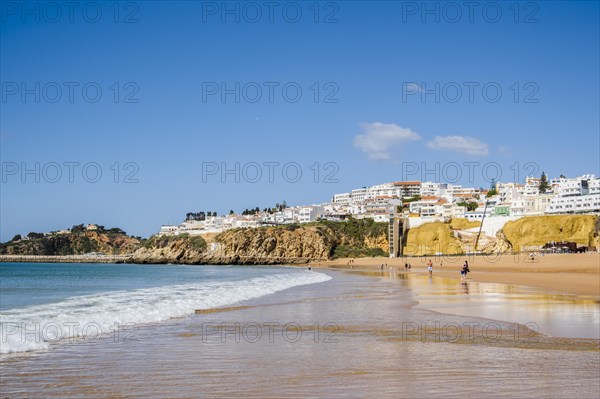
(36,327)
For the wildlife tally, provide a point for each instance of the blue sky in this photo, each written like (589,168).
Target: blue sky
(377,67)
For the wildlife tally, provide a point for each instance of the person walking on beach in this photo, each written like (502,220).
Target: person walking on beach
(406,266)
(430,267)
(465,269)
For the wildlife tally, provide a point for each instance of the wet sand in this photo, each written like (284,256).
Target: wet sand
(577,274)
(365,333)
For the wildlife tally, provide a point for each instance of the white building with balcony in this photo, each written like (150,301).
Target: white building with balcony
(407,189)
(358,195)
(311,213)
(577,195)
(168,230)
(431,189)
(343,198)
(192,227)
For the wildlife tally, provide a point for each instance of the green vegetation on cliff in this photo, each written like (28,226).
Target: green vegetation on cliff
(196,243)
(355,238)
(316,240)
(347,251)
(291,243)
(356,232)
(77,241)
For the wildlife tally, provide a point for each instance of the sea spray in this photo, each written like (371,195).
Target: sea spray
(37,327)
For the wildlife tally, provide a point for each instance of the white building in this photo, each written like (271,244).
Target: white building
(358,195)
(387,190)
(311,213)
(532,186)
(449,210)
(530,205)
(435,207)
(431,189)
(509,191)
(343,198)
(577,195)
(575,204)
(460,191)
(244,222)
(478,214)
(192,227)
(168,229)
(407,189)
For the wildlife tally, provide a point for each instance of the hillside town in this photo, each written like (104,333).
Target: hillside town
(418,202)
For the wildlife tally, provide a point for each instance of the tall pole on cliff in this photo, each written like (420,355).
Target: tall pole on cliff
(481,226)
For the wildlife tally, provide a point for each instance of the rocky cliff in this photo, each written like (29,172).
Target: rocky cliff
(432,238)
(171,249)
(73,244)
(459,236)
(270,245)
(539,230)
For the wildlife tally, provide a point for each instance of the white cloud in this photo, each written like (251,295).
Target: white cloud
(379,138)
(466,145)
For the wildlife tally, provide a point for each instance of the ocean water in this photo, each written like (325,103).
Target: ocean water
(45,303)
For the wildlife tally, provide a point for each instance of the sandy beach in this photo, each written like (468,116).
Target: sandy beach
(577,274)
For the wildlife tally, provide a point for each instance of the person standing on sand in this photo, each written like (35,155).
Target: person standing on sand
(406,266)
(430,267)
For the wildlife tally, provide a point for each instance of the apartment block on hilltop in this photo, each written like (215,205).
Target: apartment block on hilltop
(577,195)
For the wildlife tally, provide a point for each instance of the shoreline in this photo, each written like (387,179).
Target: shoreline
(574,274)
(64,258)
